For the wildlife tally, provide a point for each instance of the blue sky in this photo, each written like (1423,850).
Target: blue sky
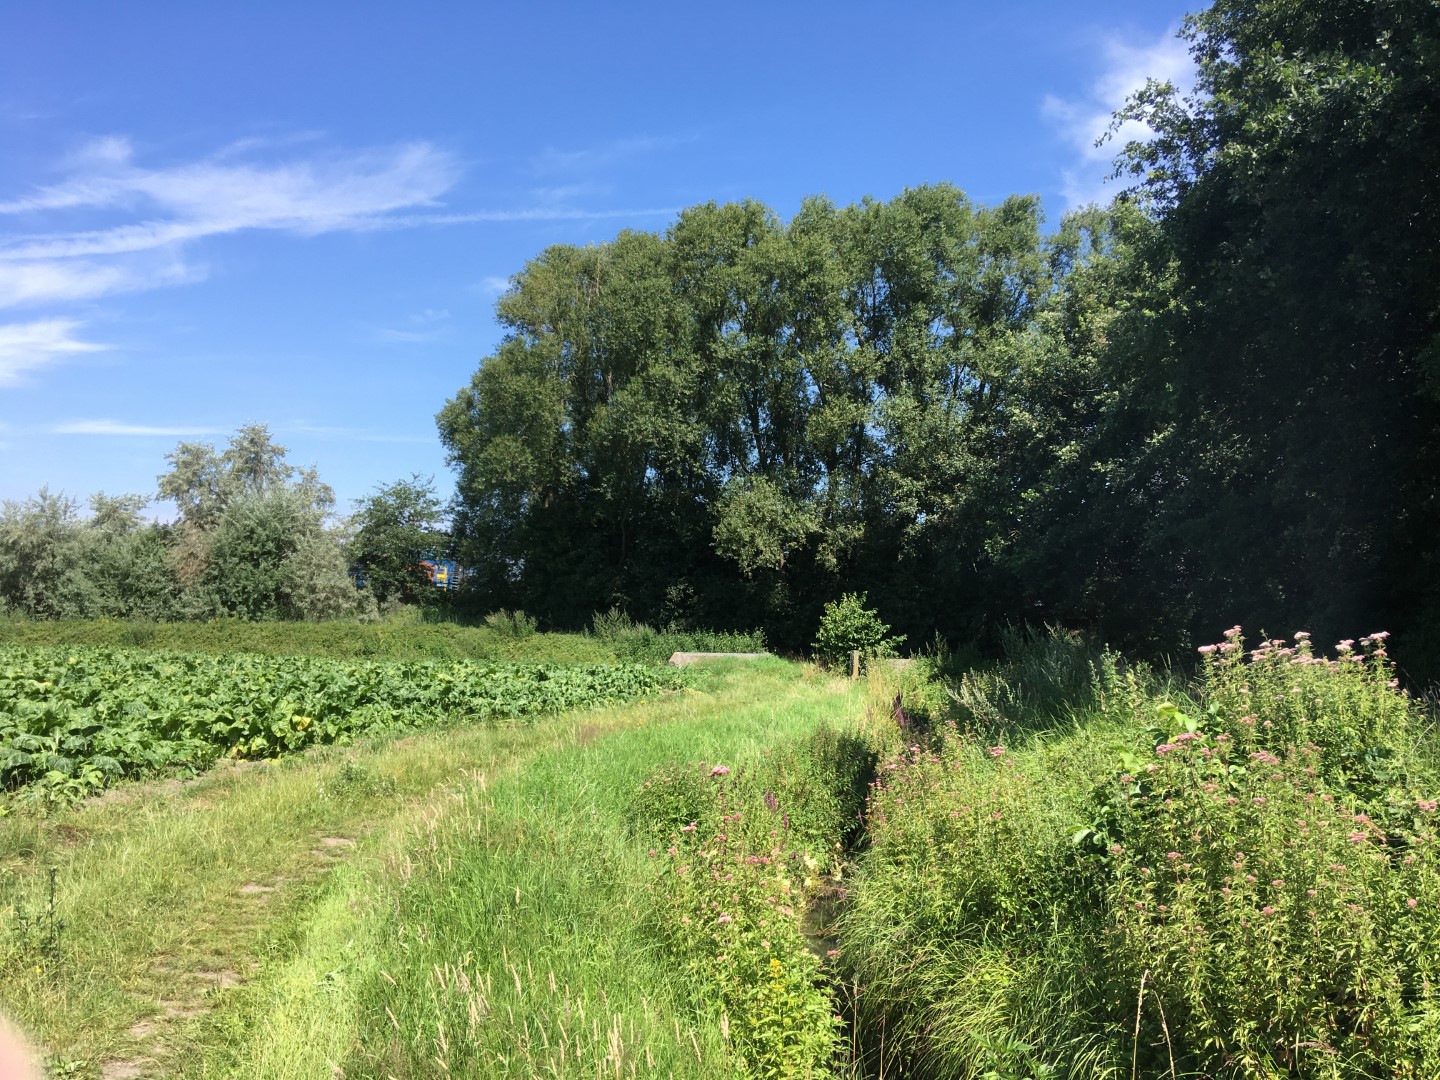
(301,214)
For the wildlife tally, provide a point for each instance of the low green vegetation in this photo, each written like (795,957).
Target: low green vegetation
(171,896)
(483,898)
(502,636)
(73,720)
(1061,865)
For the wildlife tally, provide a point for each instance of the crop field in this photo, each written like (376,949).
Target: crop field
(73,720)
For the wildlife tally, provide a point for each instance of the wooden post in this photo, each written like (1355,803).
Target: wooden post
(854,664)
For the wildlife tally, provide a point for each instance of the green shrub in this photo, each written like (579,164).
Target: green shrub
(511,624)
(846,625)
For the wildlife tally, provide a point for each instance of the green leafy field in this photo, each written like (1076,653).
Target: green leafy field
(74,720)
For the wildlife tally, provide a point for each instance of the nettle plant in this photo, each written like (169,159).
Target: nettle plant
(1271,875)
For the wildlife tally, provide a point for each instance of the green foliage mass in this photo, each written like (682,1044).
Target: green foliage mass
(74,720)
(1248,871)
(252,541)
(1217,394)
(392,529)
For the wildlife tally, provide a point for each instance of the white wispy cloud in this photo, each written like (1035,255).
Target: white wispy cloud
(120,428)
(346,434)
(1081,121)
(432,324)
(58,280)
(165,210)
(534,213)
(493,284)
(553,160)
(27,347)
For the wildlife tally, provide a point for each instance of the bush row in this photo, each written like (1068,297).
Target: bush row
(506,636)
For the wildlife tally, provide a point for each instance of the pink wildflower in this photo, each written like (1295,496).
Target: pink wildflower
(1206,650)
(724,919)
(720,770)
(1412,903)
(688,828)
(997,751)
(1267,910)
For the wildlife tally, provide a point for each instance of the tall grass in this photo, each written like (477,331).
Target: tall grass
(512,932)
(1095,874)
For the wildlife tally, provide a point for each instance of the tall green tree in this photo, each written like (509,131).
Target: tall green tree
(392,529)
(752,411)
(1298,189)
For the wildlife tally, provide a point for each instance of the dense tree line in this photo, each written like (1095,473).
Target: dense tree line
(1214,400)
(253,538)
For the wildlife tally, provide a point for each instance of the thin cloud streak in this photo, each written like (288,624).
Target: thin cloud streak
(174,208)
(354,434)
(45,282)
(552,160)
(27,347)
(177,206)
(537,213)
(124,430)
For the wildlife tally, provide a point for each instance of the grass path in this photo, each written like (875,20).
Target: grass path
(172,893)
(287,919)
